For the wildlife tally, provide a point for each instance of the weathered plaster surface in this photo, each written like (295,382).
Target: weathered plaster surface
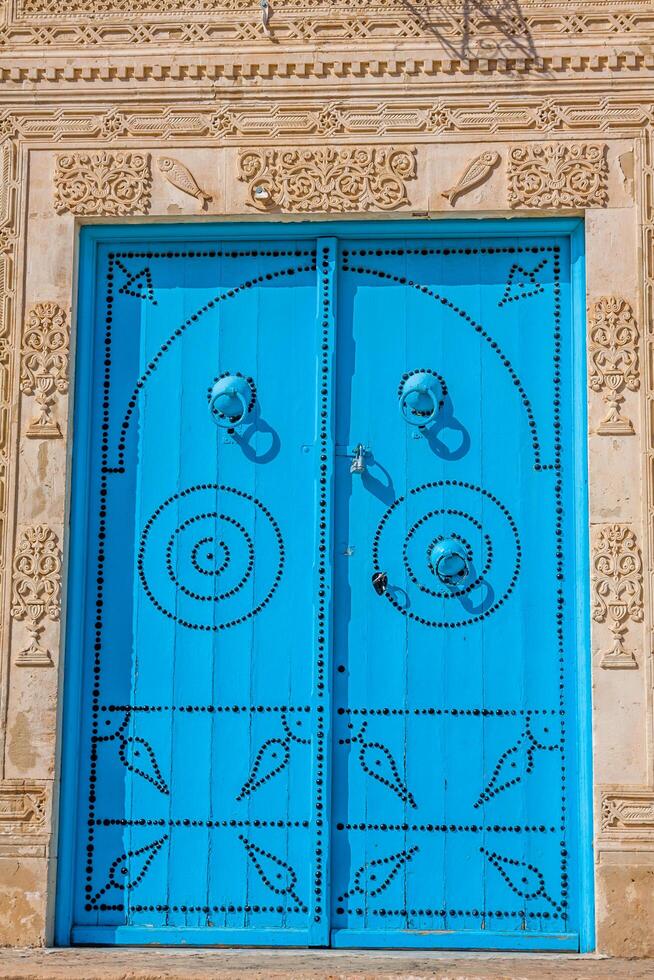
(202,82)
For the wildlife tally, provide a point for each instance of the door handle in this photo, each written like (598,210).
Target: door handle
(230,400)
(421,395)
(358,464)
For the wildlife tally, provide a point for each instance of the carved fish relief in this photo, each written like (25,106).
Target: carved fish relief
(475,173)
(181,177)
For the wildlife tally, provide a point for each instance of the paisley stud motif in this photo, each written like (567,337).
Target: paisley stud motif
(513,765)
(374,877)
(137,755)
(130,868)
(524,879)
(273,756)
(275,873)
(377,761)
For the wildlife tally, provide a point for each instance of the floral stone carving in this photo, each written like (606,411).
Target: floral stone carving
(36,589)
(613,350)
(617,589)
(557,175)
(328,179)
(44,365)
(103,183)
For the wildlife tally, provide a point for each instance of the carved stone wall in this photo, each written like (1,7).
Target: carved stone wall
(138,110)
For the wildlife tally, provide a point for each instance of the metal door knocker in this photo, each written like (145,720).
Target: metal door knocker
(380,582)
(449,561)
(231,400)
(422,394)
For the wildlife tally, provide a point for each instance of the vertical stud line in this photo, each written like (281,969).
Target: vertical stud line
(323,585)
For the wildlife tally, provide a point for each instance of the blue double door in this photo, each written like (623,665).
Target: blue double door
(323,603)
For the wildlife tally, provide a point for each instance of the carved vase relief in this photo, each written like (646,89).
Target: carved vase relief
(613,349)
(44,365)
(617,589)
(36,589)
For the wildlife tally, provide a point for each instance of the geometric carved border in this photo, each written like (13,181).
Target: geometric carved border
(466,33)
(626,818)
(22,806)
(308,118)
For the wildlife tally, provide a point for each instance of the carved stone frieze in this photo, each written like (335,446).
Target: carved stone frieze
(328,178)
(613,351)
(22,807)
(617,589)
(164,71)
(627,816)
(36,589)
(277,120)
(103,183)
(44,364)
(557,175)
(495,30)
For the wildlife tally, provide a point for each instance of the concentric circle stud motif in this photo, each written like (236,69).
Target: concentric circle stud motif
(231,399)
(421,396)
(198,552)
(451,551)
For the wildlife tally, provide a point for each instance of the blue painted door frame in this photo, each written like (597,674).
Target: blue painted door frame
(326,630)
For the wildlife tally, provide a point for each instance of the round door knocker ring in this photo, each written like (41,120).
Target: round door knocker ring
(231,399)
(422,394)
(449,561)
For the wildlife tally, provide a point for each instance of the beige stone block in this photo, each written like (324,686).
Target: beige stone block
(624,909)
(614,470)
(611,241)
(620,715)
(49,265)
(621,173)
(22,901)
(32,714)
(42,491)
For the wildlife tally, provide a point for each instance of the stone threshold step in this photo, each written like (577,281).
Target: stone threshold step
(247,964)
